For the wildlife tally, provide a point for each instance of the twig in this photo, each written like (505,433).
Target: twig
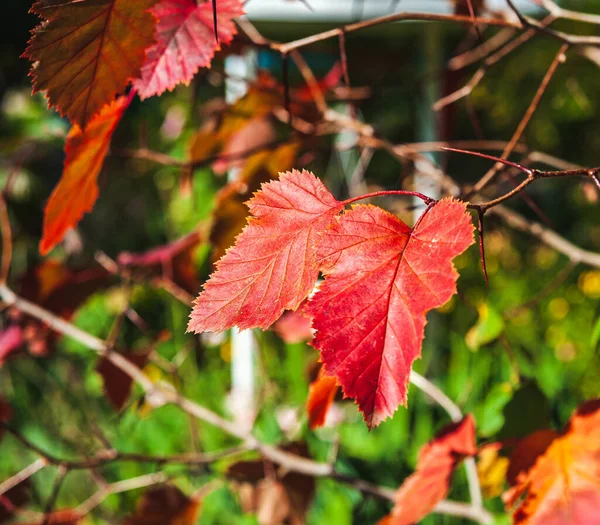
(22,475)
(120,486)
(558,59)
(547,236)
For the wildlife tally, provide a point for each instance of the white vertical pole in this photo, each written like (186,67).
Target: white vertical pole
(242,398)
(431,60)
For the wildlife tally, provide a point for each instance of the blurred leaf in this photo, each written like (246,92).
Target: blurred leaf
(77,190)
(118,384)
(165,505)
(562,485)
(491,469)
(320,398)
(488,327)
(423,489)
(527,411)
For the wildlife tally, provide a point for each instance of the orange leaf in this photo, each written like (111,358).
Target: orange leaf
(424,489)
(320,398)
(87,51)
(563,486)
(77,190)
(526,452)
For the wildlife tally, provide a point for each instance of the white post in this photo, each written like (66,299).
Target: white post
(243,344)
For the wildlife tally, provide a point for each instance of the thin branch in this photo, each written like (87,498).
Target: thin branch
(558,59)
(120,486)
(22,475)
(547,236)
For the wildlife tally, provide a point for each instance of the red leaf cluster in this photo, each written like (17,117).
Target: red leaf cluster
(86,52)
(382,277)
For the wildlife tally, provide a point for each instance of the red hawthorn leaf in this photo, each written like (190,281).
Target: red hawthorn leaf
(382,277)
(563,485)
(117,384)
(77,190)
(165,505)
(272,267)
(185,42)
(429,484)
(230,211)
(321,394)
(173,261)
(86,52)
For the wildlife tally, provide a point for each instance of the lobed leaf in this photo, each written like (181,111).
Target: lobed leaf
(273,265)
(382,277)
(185,42)
(87,51)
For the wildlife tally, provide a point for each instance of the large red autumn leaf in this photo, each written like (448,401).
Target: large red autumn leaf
(382,278)
(273,265)
(423,490)
(185,42)
(563,486)
(77,189)
(86,52)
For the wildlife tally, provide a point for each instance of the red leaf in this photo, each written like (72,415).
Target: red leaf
(185,42)
(165,505)
(328,82)
(77,190)
(429,484)
(117,384)
(321,394)
(87,51)
(563,486)
(273,266)
(382,278)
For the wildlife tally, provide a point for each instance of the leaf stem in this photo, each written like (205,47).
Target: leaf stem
(424,198)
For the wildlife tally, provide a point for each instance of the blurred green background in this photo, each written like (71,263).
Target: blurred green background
(516,368)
